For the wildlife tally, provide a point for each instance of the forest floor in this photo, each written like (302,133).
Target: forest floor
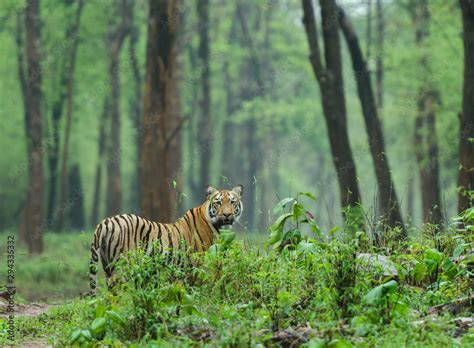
(307,293)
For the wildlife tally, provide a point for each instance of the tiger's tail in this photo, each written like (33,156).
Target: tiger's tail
(94,260)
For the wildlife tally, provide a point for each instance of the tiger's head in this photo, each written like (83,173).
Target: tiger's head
(225,206)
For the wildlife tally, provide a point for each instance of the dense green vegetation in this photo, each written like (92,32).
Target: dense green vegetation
(293,290)
(95,122)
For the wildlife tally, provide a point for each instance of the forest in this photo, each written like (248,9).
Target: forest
(349,125)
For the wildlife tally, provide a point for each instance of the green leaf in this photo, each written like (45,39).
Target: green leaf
(458,250)
(377,294)
(115,317)
(282,204)
(75,335)
(307,247)
(227,237)
(86,334)
(98,325)
(298,210)
(308,194)
(277,228)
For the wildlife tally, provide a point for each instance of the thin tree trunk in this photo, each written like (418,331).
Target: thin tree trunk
(63,189)
(33,214)
(155,157)
(53,158)
(332,93)
(204,134)
(388,198)
(425,139)
(115,38)
(466,145)
(254,90)
(20,23)
(379,56)
(368,38)
(76,196)
(136,108)
(98,173)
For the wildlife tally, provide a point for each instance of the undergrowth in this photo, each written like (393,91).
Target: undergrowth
(305,287)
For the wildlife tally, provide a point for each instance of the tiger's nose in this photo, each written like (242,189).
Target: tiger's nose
(227,215)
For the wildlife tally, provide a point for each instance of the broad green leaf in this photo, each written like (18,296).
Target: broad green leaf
(277,228)
(115,317)
(458,250)
(98,325)
(298,210)
(377,294)
(282,204)
(75,335)
(307,194)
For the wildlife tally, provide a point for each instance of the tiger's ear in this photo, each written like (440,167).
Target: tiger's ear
(209,190)
(239,189)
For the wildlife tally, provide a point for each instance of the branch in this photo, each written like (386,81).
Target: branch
(312,34)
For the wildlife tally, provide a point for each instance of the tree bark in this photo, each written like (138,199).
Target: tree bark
(425,139)
(20,23)
(204,125)
(76,196)
(379,56)
(155,157)
(254,89)
(98,172)
(33,214)
(135,107)
(466,145)
(390,207)
(115,38)
(332,94)
(63,189)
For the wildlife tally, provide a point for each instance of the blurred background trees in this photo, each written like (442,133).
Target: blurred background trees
(134,106)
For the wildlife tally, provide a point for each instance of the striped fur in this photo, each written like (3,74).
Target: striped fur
(195,231)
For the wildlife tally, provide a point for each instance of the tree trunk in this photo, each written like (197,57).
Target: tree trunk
(98,172)
(254,89)
(425,139)
(466,145)
(63,189)
(204,125)
(390,207)
(53,158)
(20,23)
(115,38)
(33,215)
(332,94)
(76,196)
(379,56)
(155,157)
(135,108)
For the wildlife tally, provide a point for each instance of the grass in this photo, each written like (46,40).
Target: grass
(59,272)
(293,290)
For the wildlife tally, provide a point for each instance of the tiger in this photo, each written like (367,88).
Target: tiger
(196,230)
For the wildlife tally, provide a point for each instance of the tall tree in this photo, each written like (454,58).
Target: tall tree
(388,198)
(330,81)
(155,156)
(204,124)
(379,41)
(425,140)
(115,38)
(466,144)
(98,171)
(252,89)
(63,187)
(32,219)
(136,103)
